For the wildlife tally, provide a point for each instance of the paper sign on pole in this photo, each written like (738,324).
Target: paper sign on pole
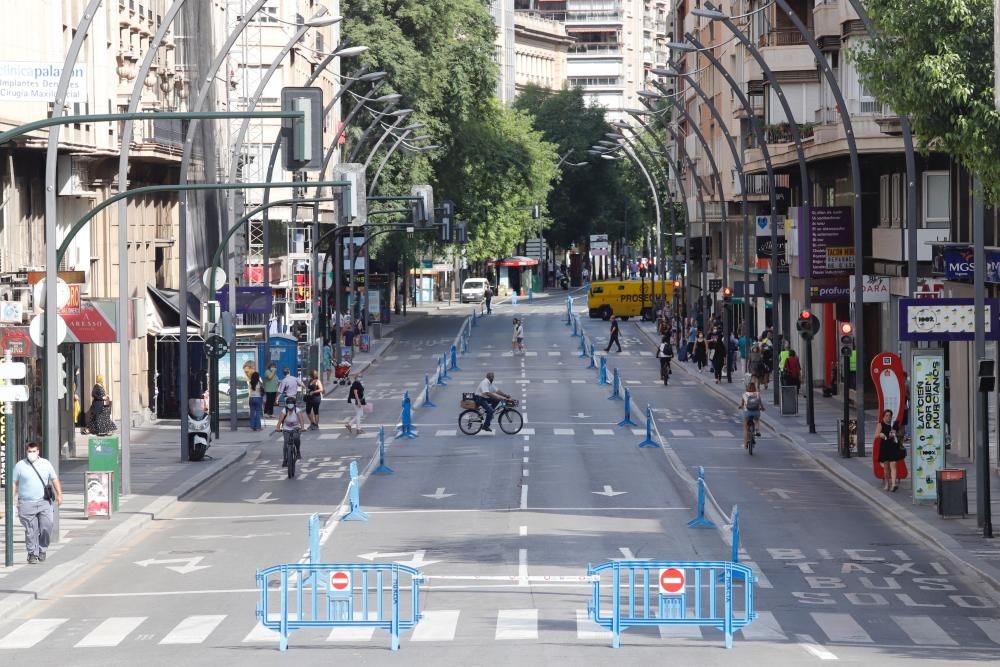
(927,401)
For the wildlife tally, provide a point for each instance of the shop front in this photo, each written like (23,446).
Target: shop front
(516,275)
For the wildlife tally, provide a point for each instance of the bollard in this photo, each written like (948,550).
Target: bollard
(440,374)
(406,429)
(513,299)
(628,410)
(444,365)
(531,295)
(427,393)
(569,310)
(355,497)
(649,442)
(736,533)
(603,374)
(700,521)
(593,361)
(616,387)
(474,323)
(465,343)
(575,332)
(583,347)
(454,359)
(382,468)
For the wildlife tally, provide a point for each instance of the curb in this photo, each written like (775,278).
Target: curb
(39,588)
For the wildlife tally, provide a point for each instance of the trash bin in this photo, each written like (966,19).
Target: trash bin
(104,454)
(952,492)
(376,329)
(789,400)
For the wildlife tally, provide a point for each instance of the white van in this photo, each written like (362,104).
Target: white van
(473,289)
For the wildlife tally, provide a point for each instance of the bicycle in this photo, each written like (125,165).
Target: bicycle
(751,438)
(472,418)
(292,449)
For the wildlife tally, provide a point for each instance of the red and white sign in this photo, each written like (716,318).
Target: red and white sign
(340,581)
(671,581)
(16,340)
(91,321)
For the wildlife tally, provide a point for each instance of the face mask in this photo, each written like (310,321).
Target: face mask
(33,456)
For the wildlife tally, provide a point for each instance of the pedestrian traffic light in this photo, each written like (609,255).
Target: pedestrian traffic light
(727,295)
(302,138)
(807,325)
(536,212)
(846,339)
(462,233)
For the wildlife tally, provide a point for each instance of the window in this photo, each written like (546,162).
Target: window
(937,196)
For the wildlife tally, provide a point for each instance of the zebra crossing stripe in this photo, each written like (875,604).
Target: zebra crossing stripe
(262,634)
(681,433)
(517,624)
(443,433)
(990,627)
(680,632)
(329,436)
(764,629)
(355,634)
(436,626)
(923,631)
(722,434)
(587,629)
(841,628)
(603,431)
(111,632)
(193,629)
(564,431)
(31,632)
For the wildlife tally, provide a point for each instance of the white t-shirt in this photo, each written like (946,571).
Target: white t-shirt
(485,387)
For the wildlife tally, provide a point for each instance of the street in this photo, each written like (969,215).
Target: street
(487,518)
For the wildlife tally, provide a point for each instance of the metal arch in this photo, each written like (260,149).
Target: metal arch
(377,117)
(630,150)
(385,160)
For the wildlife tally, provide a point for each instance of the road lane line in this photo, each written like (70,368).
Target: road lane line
(587,629)
(31,632)
(262,634)
(522,567)
(681,433)
(990,627)
(527,431)
(603,431)
(841,628)
(517,624)
(525,472)
(764,629)
(193,629)
(814,649)
(445,433)
(722,434)
(523,531)
(923,631)
(111,632)
(436,626)
(563,431)
(524,496)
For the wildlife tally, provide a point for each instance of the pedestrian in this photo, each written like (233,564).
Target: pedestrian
(786,347)
(665,353)
(327,361)
(756,364)
(744,344)
(692,337)
(289,386)
(36,487)
(718,358)
(513,338)
(890,452)
(792,373)
(488,298)
(256,401)
(767,356)
(701,351)
(270,389)
(314,396)
(356,397)
(519,335)
(615,333)
(99,420)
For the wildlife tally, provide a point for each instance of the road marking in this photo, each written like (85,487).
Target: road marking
(722,434)
(680,632)
(31,632)
(550,381)
(524,459)
(525,472)
(412,356)
(436,626)
(633,381)
(517,624)
(923,631)
(445,433)
(530,354)
(391,357)
(638,431)
(555,353)
(111,631)
(356,634)
(587,629)
(384,384)
(811,647)
(579,381)
(328,436)
(263,634)
(193,629)
(527,431)
(524,496)
(522,567)
(841,628)
(527,448)
(603,431)
(564,431)
(764,629)
(990,627)
(681,433)
(523,531)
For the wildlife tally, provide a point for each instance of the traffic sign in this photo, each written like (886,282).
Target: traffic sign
(671,581)
(36,329)
(12,370)
(340,580)
(14,393)
(15,340)
(216,347)
(714,284)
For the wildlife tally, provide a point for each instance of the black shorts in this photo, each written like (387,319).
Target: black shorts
(312,406)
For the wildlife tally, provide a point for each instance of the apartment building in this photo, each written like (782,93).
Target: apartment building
(530,48)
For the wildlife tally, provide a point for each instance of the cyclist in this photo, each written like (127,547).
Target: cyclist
(665,353)
(752,405)
(488,397)
(290,426)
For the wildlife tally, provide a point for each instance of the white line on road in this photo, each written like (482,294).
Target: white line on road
(111,631)
(262,634)
(990,627)
(587,629)
(681,433)
(764,629)
(193,629)
(524,460)
(603,431)
(525,472)
(680,632)
(841,628)
(563,431)
(814,649)
(722,434)
(445,433)
(522,567)
(527,431)
(523,532)
(923,631)
(238,516)
(357,634)
(517,624)
(436,626)
(31,632)
(524,496)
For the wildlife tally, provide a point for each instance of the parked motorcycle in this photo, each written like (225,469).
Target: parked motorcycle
(199,429)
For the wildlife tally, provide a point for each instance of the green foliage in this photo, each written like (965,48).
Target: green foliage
(933,63)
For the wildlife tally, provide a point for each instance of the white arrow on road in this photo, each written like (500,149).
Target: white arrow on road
(438,495)
(609,492)
(784,494)
(190,564)
(262,498)
(628,555)
(416,561)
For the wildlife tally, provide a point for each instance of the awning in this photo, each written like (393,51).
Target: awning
(517,261)
(165,313)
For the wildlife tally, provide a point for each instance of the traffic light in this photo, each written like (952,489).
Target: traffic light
(302,138)
(423,199)
(677,284)
(61,385)
(807,325)
(447,214)
(536,212)
(462,233)
(727,295)
(846,339)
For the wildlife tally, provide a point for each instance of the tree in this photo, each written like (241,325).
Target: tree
(932,62)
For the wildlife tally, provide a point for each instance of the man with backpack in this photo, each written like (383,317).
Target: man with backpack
(665,352)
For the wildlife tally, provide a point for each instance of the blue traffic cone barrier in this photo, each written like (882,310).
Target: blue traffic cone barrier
(427,393)
(593,359)
(628,410)
(602,377)
(700,521)
(616,386)
(649,442)
(382,468)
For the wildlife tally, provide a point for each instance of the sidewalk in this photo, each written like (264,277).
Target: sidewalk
(960,539)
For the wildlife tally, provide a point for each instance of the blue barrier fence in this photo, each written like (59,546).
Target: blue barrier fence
(575,331)
(593,357)
(356,595)
(700,521)
(583,348)
(736,534)
(633,593)
(474,322)
(454,358)
(427,393)
(405,428)
(440,374)
(602,376)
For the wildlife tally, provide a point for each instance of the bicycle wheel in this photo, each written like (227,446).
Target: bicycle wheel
(470,422)
(510,421)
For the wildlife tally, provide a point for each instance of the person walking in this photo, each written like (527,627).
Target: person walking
(792,372)
(615,334)
(890,452)
(767,356)
(314,396)
(289,386)
(744,344)
(701,351)
(270,389)
(692,337)
(665,353)
(36,486)
(488,298)
(513,338)
(755,364)
(519,335)
(356,397)
(256,401)
(99,420)
(718,358)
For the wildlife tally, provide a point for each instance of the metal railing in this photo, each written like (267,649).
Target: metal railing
(782,37)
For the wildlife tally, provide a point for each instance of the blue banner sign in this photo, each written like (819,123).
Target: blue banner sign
(960,265)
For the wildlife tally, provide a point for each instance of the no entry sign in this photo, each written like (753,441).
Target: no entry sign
(671,581)
(340,581)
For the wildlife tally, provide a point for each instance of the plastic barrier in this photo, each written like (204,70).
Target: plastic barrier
(382,468)
(465,342)
(474,322)
(593,355)
(649,442)
(700,521)
(454,359)
(427,393)
(444,366)
(355,514)
(628,410)
(728,589)
(616,387)
(405,428)
(358,595)
(569,310)
(602,377)
(575,332)
(440,374)
(736,533)
(583,347)
(513,299)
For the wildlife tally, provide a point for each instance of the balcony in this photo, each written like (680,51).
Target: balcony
(781,37)
(781,133)
(595,49)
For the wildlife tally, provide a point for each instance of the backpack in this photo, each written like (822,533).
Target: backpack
(665,351)
(753,402)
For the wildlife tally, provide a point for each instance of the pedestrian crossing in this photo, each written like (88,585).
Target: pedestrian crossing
(518,624)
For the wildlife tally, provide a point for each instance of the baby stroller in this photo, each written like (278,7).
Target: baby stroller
(341,371)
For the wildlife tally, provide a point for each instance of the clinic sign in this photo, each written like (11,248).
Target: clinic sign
(28,81)
(830,252)
(927,399)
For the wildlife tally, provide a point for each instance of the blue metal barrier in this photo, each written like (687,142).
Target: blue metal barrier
(454,359)
(354,491)
(628,410)
(602,376)
(736,533)
(569,310)
(358,595)
(513,299)
(405,428)
(616,387)
(314,535)
(700,521)
(382,468)
(531,295)
(427,393)
(465,342)
(593,355)
(728,589)
(649,442)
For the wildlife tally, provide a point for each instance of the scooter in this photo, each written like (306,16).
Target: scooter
(564,282)
(199,429)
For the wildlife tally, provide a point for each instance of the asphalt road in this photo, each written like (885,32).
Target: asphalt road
(503,529)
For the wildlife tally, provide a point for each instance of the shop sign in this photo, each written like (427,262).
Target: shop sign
(35,81)
(957,262)
(875,289)
(831,242)
(249,300)
(946,319)
(15,339)
(831,290)
(927,400)
(91,320)
(11,312)
(764,251)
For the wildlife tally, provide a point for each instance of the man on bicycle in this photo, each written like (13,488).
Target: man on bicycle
(289,425)
(752,404)
(488,397)
(665,353)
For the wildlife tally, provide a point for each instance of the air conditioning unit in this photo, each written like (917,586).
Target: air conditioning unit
(73,177)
